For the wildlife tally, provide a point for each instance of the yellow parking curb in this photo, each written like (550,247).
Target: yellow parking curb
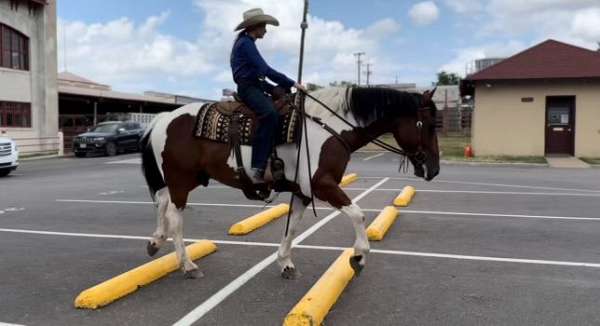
(405,196)
(256,221)
(126,283)
(348,179)
(379,227)
(314,306)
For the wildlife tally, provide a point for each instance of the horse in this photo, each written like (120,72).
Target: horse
(175,161)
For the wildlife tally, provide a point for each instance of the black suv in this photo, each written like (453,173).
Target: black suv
(109,138)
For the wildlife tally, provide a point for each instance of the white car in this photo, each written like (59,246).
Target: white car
(9,156)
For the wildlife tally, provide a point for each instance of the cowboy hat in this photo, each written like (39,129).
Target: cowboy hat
(254,17)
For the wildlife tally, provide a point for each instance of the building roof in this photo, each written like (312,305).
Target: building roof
(548,60)
(69,83)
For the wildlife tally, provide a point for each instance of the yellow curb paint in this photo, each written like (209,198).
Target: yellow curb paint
(348,179)
(379,227)
(126,283)
(314,306)
(256,221)
(405,196)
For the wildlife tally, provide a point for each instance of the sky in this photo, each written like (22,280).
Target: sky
(183,46)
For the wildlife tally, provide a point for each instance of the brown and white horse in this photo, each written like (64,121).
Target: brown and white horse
(175,162)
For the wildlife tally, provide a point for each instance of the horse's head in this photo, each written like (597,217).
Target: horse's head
(418,137)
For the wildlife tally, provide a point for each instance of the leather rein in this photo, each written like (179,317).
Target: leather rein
(420,156)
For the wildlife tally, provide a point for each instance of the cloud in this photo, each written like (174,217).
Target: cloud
(137,56)
(572,21)
(424,13)
(465,6)
(465,57)
(121,52)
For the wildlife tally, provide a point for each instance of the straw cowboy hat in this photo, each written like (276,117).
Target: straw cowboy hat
(254,17)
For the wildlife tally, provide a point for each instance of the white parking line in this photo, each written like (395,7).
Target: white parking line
(488,184)
(477,192)
(376,251)
(218,297)
(136,160)
(402,211)
(373,156)
(7,324)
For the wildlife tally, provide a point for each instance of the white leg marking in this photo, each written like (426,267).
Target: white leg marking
(284,254)
(162,224)
(361,245)
(175,220)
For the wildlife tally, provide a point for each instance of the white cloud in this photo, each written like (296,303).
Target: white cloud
(119,52)
(586,24)
(136,56)
(465,6)
(467,56)
(424,13)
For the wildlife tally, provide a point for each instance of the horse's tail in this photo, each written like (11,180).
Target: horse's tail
(150,168)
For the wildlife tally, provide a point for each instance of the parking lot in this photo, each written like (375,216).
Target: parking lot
(479,245)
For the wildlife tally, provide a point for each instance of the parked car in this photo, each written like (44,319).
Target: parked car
(9,156)
(109,138)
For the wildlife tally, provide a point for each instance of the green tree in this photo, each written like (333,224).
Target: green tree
(445,78)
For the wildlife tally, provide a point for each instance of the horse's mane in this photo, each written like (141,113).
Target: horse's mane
(368,104)
(374,103)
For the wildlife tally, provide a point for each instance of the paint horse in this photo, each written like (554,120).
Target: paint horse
(175,162)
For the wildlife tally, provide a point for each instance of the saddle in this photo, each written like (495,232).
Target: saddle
(232,122)
(224,121)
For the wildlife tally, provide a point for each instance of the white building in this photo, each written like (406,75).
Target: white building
(28,69)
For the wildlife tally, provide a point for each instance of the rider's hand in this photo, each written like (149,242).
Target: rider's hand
(300,87)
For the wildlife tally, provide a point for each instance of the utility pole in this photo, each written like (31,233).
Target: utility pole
(369,73)
(358,63)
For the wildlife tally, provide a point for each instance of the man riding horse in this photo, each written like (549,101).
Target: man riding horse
(249,71)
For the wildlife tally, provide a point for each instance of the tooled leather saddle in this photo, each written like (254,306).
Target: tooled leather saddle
(233,123)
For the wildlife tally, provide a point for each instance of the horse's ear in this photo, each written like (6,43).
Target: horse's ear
(433,92)
(428,95)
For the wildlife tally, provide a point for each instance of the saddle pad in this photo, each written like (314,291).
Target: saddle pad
(214,125)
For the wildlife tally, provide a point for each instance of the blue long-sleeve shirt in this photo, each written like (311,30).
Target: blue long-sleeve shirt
(247,64)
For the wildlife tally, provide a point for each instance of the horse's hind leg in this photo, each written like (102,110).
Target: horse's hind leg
(175,220)
(162,225)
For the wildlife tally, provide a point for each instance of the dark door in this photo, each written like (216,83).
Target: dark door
(560,125)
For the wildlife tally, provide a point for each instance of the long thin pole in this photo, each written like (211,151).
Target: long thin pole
(304,26)
(358,64)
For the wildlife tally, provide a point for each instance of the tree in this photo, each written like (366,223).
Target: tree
(445,78)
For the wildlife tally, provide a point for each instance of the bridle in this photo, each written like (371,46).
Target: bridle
(419,156)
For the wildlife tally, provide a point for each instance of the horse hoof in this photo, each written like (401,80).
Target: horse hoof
(151,249)
(289,273)
(355,264)
(193,274)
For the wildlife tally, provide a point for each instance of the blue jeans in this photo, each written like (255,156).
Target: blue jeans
(253,95)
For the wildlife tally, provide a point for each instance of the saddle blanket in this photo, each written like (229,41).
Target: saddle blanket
(215,125)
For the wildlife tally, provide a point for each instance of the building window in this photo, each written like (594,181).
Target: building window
(15,114)
(14,49)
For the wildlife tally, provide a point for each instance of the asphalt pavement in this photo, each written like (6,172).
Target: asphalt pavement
(479,245)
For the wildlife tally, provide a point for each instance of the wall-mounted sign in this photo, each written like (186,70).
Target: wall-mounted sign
(526,99)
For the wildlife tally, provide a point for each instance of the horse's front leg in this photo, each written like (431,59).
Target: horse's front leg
(175,220)
(327,189)
(284,254)
(361,243)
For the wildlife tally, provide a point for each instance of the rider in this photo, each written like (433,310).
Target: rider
(249,72)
